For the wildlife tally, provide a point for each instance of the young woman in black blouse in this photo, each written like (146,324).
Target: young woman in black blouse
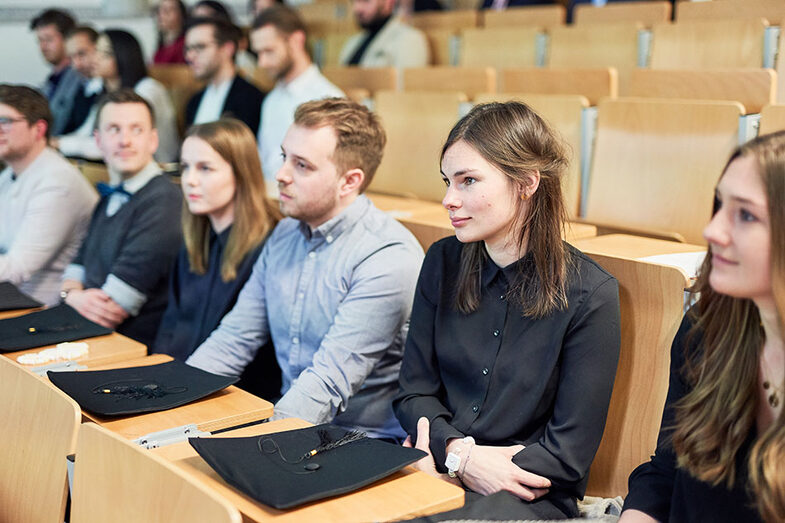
(514,335)
(721,450)
(225,222)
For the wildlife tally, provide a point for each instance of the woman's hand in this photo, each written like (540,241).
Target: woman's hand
(636,516)
(427,464)
(490,469)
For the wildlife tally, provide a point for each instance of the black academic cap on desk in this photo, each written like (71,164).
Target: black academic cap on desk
(134,390)
(278,470)
(46,327)
(12,298)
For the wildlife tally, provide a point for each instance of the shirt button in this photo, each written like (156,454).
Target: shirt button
(501,297)
(312,254)
(295,340)
(475,408)
(485,371)
(302,295)
(496,332)
(329,239)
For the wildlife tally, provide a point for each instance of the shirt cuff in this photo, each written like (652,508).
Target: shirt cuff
(74,271)
(124,295)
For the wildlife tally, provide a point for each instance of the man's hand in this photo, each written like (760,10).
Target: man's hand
(97,306)
(490,469)
(427,464)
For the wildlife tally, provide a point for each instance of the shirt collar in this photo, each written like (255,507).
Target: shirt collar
(139,180)
(303,82)
(510,273)
(221,89)
(34,165)
(346,220)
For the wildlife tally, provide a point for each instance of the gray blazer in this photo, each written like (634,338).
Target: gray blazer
(62,99)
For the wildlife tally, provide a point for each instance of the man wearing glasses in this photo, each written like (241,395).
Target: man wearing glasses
(210,46)
(45,203)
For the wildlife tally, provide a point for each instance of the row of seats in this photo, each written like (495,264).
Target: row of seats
(111,474)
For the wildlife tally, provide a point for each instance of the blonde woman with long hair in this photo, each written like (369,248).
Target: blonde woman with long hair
(721,450)
(225,221)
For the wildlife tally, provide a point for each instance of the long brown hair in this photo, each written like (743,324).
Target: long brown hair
(513,138)
(254,215)
(716,417)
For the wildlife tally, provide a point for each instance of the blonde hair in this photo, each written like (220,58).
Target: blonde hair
(513,138)
(254,215)
(715,418)
(360,135)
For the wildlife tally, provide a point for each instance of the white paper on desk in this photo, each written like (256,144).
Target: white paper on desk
(689,262)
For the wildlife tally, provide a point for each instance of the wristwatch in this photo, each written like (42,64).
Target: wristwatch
(453,461)
(64,295)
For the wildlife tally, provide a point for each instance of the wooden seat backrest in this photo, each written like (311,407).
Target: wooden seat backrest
(772,118)
(539,16)
(499,47)
(594,84)
(647,13)
(772,10)
(371,78)
(468,80)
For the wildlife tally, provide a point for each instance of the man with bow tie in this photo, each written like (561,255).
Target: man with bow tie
(120,276)
(45,203)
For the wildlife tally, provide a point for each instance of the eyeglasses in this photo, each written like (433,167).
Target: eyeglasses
(198,48)
(6,122)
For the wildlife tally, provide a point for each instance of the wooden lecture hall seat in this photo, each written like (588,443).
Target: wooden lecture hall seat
(646,13)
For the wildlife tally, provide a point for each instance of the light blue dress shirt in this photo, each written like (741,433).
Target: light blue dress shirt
(336,303)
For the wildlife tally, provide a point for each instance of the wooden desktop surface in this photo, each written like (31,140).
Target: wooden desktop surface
(17,312)
(629,246)
(223,409)
(405,494)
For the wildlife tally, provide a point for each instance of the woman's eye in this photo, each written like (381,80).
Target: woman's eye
(469,180)
(746,216)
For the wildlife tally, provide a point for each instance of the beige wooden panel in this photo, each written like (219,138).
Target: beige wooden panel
(772,118)
(596,45)
(563,113)
(651,299)
(417,124)
(539,16)
(180,84)
(371,78)
(332,44)
(455,20)
(115,480)
(102,350)
(753,88)
(440,45)
(772,10)
(322,18)
(716,44)
(501,47)
(594,84)
(629,246)
(403,495)
(656,163)
(223,409)
(647,13)
(468,80)
(40,424)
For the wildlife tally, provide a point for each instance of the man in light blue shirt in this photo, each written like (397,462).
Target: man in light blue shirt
(334,284)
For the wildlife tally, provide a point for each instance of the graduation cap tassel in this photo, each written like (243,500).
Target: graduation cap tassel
(326,443)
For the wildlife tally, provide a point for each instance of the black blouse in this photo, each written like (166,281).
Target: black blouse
(507,379)
(668,493)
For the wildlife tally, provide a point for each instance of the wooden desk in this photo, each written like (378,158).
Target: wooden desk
(16,312)
(405,494)
(102,350)
(629,246)
(226,408)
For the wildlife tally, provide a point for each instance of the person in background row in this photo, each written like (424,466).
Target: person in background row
(80,46)
(211,9)
(279,39)
(120,64)
(120,277)
(62,84)
(226,219)
(170,18)
(45,202)
(324,288)
(514,339)
(722,440)
(210,48)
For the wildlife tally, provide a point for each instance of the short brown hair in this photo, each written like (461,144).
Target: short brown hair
(223,30)
(122,96)
(284,19)
(31,103)
(359,132)
(62,20)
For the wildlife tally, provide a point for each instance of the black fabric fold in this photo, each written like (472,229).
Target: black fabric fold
(47,327)
(11,298)
(134,390)
(273,469)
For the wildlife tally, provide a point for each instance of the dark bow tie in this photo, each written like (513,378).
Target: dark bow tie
(104,189)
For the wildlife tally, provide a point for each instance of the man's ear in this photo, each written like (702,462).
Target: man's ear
(351,180)
(297,40)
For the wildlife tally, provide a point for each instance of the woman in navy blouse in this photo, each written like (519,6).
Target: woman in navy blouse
(514,335)
(721,448)
(225,223)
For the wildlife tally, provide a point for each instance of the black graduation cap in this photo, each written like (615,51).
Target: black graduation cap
(12,298)
(286,469)
(134,390)
(47,327)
